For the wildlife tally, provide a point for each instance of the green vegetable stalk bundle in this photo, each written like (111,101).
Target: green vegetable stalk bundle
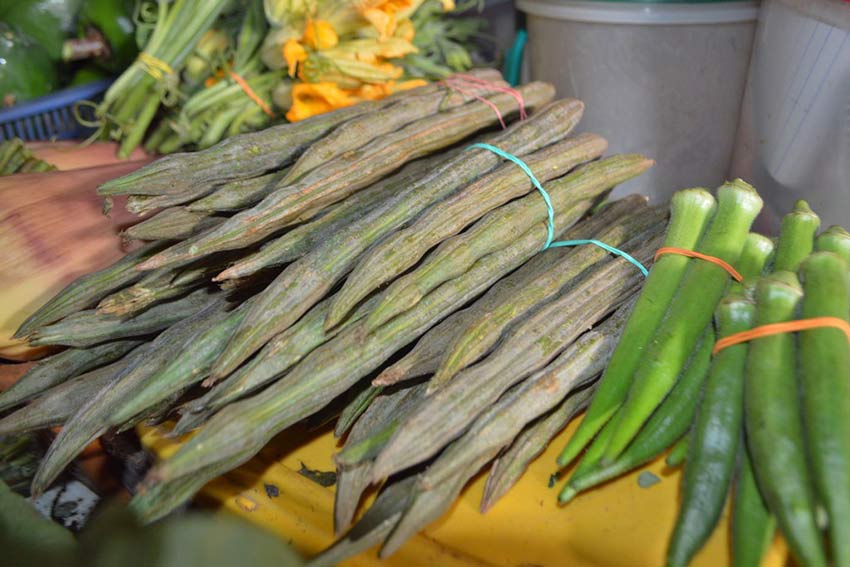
(765,418)
(15,157)
(341,261)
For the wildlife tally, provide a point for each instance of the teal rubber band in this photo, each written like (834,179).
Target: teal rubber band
(604,246)
(534,181)
(551,212)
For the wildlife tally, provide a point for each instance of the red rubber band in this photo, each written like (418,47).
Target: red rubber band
(692,254)
(779,328)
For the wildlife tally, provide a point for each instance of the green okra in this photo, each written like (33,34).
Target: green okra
(679,452)
(773,421)
(689,311)
(691,210)
(796,237)
(824,358)
(834,239)
(667,424)
(752,524)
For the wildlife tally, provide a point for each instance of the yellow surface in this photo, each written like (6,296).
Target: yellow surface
(619,524)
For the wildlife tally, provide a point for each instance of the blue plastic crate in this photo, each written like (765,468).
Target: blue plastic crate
(51,117)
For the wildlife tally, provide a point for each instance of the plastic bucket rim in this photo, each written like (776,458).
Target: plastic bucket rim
(643,13)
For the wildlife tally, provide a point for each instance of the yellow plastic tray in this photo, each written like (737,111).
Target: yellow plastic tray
(618,524)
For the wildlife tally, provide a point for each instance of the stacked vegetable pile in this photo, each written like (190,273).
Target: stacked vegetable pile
(291,268)
(772,413)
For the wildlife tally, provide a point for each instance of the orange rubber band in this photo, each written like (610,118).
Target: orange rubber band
(251,94)
(779,328)
(691,254)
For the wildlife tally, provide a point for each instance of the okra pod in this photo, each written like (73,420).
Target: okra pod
(690,310)
(825,391)
(774,423)
(752,525)
(690,212)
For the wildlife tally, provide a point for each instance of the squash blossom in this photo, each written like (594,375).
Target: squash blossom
(309,99)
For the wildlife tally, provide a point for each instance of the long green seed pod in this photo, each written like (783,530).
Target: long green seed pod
(499,227)
(302,284)
(353,478)
(774,423)
(238,157)
(362,130)
(175,223)
(87,290)
(395,254)
(825,391)
(57,405)
(540,338)
(346,174)
(61,367)
(280,354)
(331,369)
(373,528)
(95,416)
(238,194)
(185,369)
(480,336)
(512,464)
(310,235)
(88,328)
(690,211)
(689,311)
(430,350)
(499,424)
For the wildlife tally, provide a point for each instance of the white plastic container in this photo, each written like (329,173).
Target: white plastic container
(794,137)
(664,80)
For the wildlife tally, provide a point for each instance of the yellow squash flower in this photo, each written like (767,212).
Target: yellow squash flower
(384,15)
(319,34)
(309,99)
(293,53)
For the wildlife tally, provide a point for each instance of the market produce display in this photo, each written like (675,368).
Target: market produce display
(440,271)
(127,327)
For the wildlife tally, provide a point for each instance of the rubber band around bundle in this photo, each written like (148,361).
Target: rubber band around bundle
(550,226)
(251,94)
(692,254)
(780,328)
(154,66)
(455,81)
